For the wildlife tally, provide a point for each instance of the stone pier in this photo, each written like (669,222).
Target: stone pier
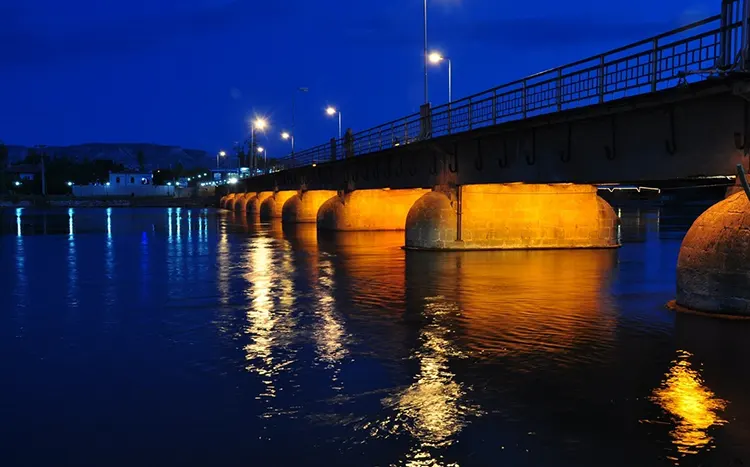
(513,216)
(271,207)
(380,209)
(713,269)
(303,207)
(254,203)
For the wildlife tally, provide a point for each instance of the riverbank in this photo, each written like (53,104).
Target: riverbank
(107,202)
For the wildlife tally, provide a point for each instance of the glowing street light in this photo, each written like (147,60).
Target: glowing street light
(70,183)
(285,135)
(263,151)
(435,58)
(331,111)
(17,183)
(222,154)
(261,124)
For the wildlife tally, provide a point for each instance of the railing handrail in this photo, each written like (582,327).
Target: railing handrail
(542,97)
(590,58)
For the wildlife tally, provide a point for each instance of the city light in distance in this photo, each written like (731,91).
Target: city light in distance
(331,110)
(260,149)
(286,135)
(232,181)
(70,183)
(222,153)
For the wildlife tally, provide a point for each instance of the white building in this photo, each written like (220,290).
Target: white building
(129,179)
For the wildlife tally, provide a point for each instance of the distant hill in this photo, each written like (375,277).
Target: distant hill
(155,156)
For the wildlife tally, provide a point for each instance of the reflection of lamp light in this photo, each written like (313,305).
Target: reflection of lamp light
(693,406)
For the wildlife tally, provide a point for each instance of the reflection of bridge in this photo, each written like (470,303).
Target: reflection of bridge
(513,167)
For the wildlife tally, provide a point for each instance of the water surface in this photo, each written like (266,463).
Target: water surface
(194,337)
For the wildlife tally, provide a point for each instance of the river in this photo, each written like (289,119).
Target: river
(194,337)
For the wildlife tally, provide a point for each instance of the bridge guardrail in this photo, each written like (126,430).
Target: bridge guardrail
(649,65)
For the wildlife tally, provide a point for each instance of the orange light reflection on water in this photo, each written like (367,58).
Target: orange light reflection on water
(693,407)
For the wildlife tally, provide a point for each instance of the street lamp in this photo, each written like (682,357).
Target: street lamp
(222,154)
(70,183)
(258,124)
(288,136)
(435,58)
(331,111)
(261,150)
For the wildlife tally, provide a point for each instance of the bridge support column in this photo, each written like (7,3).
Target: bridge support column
(232,201)
(368,210)
(303,207)
(225,199)
(271,207)
(713,269)
(254,203)
(512,217)
(244,200)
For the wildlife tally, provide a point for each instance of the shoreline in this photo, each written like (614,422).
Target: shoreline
(107,202)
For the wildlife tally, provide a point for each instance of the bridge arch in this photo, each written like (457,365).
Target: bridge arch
(242,203)
(303,207)
(512,216)
(272,206)
(380,209)
(254,203)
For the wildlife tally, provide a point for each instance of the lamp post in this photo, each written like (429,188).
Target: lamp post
(331,111)
(265,158)
(285,135)
(424,57)
(218,154)
(258,124)
(435,58)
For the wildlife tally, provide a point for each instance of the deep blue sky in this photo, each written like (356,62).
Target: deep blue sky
(191,72)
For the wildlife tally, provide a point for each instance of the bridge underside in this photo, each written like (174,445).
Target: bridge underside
(691,131)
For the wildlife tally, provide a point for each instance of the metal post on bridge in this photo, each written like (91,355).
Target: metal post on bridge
(348,144)
(654,63)
(333,149)
(602,79)
(724,36)
(745,11)
(425,122)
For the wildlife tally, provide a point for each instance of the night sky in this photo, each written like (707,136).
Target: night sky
(191,72)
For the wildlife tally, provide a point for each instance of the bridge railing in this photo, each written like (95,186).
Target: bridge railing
(696,50)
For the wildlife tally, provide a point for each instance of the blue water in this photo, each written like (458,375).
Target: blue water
(194,338)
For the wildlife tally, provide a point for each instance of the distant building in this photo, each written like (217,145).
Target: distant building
(129,179)
(24,171)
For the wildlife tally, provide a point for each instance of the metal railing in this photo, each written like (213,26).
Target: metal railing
(708,47)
